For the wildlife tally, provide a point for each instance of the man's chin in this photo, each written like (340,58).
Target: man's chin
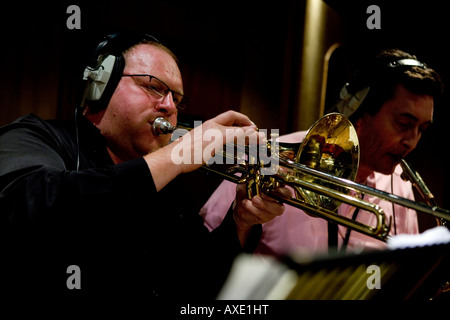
(385,165)
(388,168)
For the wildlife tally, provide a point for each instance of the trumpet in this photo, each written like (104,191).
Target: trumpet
(321,171)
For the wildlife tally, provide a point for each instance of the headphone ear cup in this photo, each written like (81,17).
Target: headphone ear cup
(98,78)
(350,102)
(102,81)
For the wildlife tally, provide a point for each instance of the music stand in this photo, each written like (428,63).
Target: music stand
(403,274)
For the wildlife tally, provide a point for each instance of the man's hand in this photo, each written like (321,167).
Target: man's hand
(200,144)
(258,210)
(229,127)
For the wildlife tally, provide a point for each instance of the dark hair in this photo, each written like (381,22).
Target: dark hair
(383,73)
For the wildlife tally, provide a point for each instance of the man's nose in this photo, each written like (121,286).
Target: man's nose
(411,139)
(167,105)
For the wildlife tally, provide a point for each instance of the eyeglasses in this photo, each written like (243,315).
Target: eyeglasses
(160,90)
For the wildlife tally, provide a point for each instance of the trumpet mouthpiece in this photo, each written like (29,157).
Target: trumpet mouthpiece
(162,126)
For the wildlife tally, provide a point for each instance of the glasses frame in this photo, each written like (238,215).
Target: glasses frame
(180,105)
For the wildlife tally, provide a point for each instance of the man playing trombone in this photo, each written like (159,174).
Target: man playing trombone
(390,102)
(93,195)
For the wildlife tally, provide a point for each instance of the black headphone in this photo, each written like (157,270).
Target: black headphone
(351,96)
(106,67)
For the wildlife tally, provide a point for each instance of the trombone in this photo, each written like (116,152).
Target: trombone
(320,170)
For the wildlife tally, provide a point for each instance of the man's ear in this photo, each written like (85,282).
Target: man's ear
(360,122)
(95,118)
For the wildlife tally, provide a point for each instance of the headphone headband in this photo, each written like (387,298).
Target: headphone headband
(406,63)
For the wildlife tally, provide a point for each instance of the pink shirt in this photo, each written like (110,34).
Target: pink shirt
(295,230)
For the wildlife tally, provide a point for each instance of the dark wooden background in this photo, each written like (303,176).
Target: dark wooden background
(240,55)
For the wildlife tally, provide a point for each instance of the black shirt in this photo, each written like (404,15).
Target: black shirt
(64,202)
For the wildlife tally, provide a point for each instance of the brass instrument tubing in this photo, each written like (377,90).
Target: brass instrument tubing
(435,211)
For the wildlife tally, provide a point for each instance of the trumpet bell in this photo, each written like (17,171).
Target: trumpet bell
(331,145)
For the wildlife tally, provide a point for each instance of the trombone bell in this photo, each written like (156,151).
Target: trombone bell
(331,145)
